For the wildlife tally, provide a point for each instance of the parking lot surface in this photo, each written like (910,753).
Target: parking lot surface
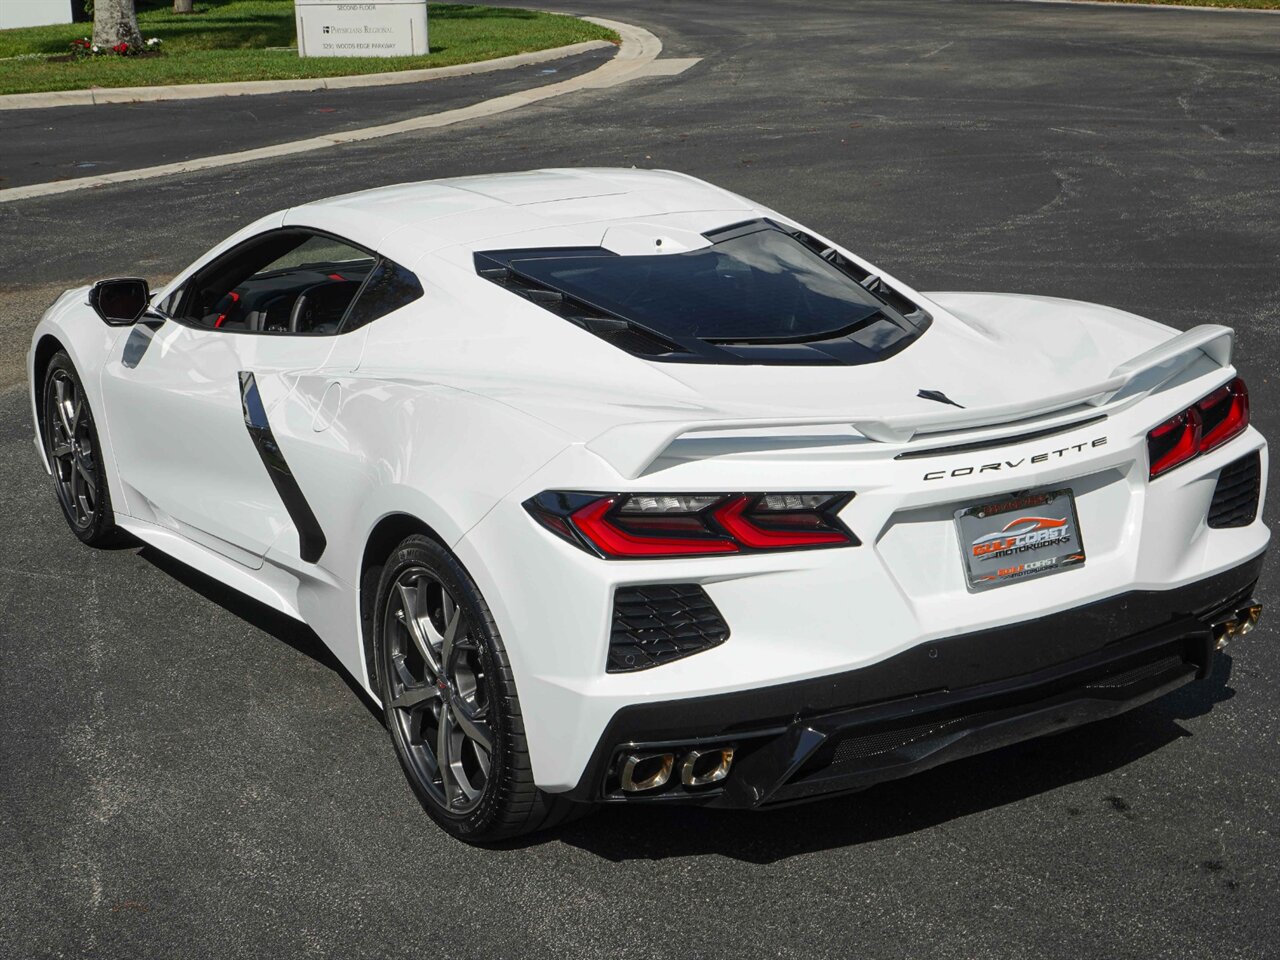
(184,774)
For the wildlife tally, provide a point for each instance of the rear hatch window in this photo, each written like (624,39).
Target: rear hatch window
(757,294)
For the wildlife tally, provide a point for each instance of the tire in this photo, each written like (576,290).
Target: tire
(75,455)
(430,624)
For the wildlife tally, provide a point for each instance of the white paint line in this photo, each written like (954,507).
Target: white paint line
(638,51)
(196,91)
(1139,4)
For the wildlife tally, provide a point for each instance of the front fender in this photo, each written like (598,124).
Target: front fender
(89,343)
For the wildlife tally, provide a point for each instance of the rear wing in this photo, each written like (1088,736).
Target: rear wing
(631,448)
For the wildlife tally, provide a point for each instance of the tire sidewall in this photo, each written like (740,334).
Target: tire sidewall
(420,551)
(104,519)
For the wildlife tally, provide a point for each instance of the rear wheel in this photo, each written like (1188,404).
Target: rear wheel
(450,700)
(75,456)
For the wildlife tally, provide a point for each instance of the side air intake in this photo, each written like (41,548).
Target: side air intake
(658,623)
(1235,498)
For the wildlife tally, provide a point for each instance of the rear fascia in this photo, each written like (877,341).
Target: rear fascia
(796,616)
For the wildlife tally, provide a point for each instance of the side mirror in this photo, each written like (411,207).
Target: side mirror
(120,302)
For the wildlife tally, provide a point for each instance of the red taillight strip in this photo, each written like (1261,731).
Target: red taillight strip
(734,518)
(1205,425)
(592,520)
(1235,419)
(1182,433)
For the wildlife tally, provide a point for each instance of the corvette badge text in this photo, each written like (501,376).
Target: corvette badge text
(1014,464)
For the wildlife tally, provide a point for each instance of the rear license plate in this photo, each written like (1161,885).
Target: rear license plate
(1019,538)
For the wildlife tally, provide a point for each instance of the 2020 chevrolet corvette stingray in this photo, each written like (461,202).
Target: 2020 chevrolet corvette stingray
(614,486)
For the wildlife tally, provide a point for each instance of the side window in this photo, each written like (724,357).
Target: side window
(169,304)
(284,282)
(389,287)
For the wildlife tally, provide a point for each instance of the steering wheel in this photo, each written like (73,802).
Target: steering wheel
(312,300)
(300,308)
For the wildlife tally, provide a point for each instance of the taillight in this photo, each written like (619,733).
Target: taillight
(617,535)
(648,526)
(780,521)
(1207,424)
(1225,413)
(1174,442)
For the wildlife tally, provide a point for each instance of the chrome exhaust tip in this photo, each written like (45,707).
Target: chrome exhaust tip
(702,767)
(1248,617)
(1240,623)
(646,771)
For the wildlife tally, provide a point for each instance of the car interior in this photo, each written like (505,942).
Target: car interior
(287,281)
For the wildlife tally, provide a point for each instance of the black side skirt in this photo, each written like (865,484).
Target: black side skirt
(311,541)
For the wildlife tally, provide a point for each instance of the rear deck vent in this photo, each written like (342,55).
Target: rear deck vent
(1235,498)
(657,623)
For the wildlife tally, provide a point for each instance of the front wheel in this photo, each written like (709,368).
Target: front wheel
(75,455)
(450,700)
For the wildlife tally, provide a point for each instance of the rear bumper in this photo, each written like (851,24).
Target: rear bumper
(935,702)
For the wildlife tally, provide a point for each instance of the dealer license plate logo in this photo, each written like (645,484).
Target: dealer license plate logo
(1019,538)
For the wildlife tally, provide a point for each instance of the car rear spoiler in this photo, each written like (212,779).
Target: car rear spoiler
(631,448)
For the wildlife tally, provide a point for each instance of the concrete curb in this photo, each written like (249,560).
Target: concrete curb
(196,91)
(635,58)
(1133,4)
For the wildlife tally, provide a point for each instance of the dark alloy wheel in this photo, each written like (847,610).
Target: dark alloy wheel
(75,457)
(438,694)
(450,700)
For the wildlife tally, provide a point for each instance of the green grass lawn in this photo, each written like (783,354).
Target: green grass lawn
(228,40)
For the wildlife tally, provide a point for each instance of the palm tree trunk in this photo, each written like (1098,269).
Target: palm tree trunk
(114,21)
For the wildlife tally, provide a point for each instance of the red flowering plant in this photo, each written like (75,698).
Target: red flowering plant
(84,47)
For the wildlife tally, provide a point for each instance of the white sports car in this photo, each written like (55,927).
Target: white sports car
(613,486)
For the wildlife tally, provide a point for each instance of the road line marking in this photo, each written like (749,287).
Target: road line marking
(635,56)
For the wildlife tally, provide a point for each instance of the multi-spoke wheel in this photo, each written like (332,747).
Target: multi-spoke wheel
(438,694)
(450,699)
(71,442)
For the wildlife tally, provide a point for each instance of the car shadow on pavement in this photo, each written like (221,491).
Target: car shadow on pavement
(958,789)
(288,631)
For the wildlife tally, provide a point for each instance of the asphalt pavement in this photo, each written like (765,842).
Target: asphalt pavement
(184,774)
(62,143)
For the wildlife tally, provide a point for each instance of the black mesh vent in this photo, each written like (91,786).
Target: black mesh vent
(1235,498)
(875,744)
(658,623)
(1137,674)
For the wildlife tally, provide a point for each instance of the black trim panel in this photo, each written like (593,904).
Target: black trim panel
(995,441)
(311,539)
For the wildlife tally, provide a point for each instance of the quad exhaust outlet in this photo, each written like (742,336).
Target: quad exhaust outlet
(646,771)
(699,767)
(702,767)
(1240,623)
